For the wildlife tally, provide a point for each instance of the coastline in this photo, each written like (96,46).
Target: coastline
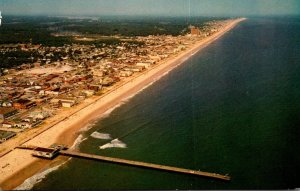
(22,165)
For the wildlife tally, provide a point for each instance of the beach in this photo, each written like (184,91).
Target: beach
(18,165)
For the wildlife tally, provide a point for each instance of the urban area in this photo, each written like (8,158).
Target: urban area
(64,77)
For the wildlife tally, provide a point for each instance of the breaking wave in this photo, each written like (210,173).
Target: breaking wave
(87,127)
(108,112)
(78,141)
(98,135)
(116,143)
(29,183)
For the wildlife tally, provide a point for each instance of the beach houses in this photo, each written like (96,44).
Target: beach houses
(64,101)
(6,112)
(5,135)
(23,104)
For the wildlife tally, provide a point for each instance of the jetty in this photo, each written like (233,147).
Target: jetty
(63,151)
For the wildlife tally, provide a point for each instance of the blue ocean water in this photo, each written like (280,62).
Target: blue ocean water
(231,108)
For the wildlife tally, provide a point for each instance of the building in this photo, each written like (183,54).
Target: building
(88,92)
(7,124)
(22,125)
(67,103)
(6,104)
(41,115)
(94,87)
(135,68)
(194,30)
(64,101)
(126,73)
(24,104)
(5,135)
(6,112)
(107,81)
(47,153)
(144,64)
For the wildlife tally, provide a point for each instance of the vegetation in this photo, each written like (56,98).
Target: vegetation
(59,31)
(16,58)
(39,30)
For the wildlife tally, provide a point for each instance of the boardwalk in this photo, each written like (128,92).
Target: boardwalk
(144,165)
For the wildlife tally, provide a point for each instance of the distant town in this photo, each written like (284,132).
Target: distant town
(61,77)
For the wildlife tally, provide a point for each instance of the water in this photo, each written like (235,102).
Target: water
(232,108)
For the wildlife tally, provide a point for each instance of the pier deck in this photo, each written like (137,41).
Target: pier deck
(134,163)
(144,165)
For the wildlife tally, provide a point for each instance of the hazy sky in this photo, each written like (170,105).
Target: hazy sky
(150,7)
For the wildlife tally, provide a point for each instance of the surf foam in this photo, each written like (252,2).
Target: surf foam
(78,141)
(108,112)
(116,143)
(88,126)
(98,135)
(29,183)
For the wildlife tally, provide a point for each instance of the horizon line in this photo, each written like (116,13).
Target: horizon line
(151,15)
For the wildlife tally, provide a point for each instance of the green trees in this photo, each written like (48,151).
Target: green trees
(16,58)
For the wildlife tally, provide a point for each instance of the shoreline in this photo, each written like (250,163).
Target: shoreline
(22,165)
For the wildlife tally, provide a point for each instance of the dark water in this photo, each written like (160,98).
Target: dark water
(232,108)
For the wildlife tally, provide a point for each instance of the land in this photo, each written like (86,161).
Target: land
(71,103)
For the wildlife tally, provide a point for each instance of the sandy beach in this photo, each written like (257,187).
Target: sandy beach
(17,165)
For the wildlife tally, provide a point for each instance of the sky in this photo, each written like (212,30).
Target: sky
(151,7)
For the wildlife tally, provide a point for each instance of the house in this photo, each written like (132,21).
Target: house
(42,92)
(23,104)
(7,104)
(194,30)
(39,115)
(7,124)
(47,153)
(23,125)
(28,119)
(6,112)
(99,73)
(155,58)
(135,69)
(138,68)
(126,73)
(144,64)
(64,101)
(5,135)
(40,101)
(107,81)
(67,103)
(94,87)
(56,93)
(88,92)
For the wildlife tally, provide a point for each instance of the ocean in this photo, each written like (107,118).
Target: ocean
(232,108)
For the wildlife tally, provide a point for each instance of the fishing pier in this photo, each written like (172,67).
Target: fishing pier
(50,153)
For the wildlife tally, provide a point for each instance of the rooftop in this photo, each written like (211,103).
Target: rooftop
(6,134)
(4,110)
